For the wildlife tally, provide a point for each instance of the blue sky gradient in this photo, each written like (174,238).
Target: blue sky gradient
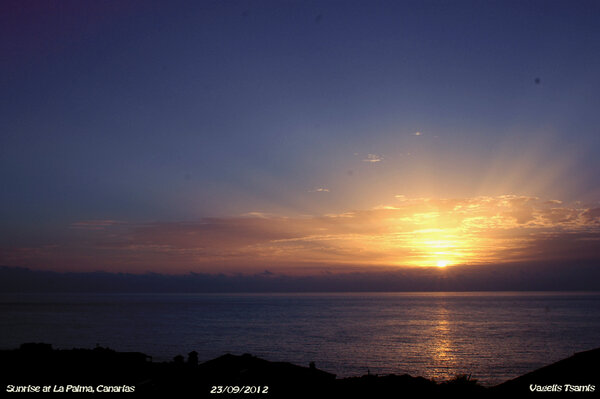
(159,112)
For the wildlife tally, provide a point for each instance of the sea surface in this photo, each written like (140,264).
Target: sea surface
(492,336)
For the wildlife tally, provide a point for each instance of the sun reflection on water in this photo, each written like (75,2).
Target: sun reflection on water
(442,346)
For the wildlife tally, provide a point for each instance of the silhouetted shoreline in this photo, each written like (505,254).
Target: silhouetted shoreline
(39,369)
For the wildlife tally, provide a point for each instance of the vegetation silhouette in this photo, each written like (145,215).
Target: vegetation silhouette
(96,371)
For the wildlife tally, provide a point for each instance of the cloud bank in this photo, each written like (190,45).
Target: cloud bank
(576,276)
(412,233)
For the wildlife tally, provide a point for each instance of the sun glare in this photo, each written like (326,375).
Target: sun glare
(441,246)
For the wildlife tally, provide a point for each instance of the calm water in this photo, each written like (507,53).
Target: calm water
(493,336)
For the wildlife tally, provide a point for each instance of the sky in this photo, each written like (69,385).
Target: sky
(298,137)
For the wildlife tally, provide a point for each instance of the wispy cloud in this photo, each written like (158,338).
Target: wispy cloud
(94,224)
(319,190)
(373,158)
(257,214)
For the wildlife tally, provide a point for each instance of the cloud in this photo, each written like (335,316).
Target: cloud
(539,276)
(94,224)
(413,232)
(592,215)
(319,190)
(256,214)
(373,158)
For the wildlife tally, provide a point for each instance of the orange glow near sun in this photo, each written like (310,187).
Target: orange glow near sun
(422,232)
(441,246)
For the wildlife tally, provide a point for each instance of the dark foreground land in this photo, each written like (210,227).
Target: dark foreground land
(40,370)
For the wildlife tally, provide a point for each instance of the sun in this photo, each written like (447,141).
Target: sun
(442,263)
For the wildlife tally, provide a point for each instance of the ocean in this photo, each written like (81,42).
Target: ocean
(494,336)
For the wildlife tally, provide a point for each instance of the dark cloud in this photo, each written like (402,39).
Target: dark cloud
(592,215)
(525,276)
